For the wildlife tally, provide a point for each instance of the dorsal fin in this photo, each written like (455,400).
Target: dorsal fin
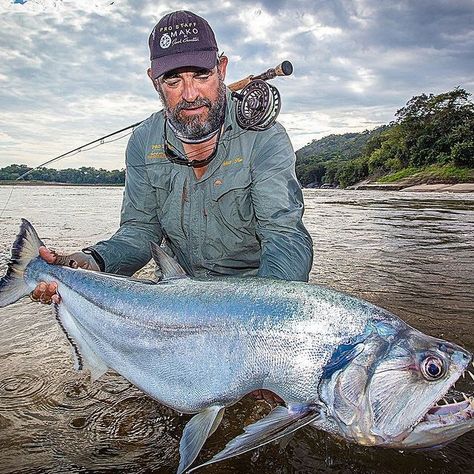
(169,267)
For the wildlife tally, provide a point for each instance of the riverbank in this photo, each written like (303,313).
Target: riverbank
(437,187)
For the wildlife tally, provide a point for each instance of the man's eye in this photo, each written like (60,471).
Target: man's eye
(172,81)
(202,76)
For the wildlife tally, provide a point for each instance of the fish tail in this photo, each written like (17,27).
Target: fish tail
(25,248)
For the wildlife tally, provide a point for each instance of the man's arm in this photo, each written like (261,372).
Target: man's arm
(287,247)
(128,249)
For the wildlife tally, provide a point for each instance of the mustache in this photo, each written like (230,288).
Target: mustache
(199,102)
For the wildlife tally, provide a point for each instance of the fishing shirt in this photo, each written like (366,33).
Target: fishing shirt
(242,217)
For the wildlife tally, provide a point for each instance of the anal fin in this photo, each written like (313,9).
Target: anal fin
(84,357)
(198,429)
(280,422)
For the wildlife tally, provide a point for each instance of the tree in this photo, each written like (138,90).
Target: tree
(436,126)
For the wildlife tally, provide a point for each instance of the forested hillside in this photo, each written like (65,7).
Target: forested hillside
(320,159)
(432,137)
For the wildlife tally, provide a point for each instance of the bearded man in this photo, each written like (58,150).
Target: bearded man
(224,200)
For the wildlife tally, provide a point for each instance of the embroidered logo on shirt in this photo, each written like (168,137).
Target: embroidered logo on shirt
(239,159)
(156,152)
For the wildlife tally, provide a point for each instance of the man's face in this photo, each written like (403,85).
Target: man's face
(194,99)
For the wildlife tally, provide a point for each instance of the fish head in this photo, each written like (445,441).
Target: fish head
(386,388)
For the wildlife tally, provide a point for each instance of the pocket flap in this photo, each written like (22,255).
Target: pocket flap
(222,186)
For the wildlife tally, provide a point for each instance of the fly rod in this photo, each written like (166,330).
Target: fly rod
(248,107)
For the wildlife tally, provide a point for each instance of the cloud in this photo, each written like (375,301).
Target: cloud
(74,70)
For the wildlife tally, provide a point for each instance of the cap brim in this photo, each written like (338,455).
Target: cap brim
(201,59)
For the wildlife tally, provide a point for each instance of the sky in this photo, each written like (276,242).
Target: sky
(72,71)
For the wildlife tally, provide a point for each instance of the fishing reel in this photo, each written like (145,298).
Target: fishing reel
(259,103)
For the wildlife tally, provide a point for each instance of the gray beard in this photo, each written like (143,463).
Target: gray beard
(191,128)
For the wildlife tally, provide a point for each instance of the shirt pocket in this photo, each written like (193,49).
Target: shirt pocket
(164,180)
(232,202)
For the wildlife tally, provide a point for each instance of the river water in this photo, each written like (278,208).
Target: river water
(411,253)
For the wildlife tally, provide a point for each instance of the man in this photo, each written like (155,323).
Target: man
(224,200)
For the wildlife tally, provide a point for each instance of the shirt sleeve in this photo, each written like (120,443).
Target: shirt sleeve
(287,247)
(128,249)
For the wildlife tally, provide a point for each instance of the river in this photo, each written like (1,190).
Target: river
(411,253)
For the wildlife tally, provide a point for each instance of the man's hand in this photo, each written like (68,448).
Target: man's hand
(47,292)
(267,395)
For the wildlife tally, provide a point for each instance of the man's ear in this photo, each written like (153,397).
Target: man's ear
(150,75)
(222,66)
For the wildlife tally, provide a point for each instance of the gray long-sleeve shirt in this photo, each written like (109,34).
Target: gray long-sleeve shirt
(242,217)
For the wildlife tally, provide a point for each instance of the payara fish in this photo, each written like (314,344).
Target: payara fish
(339,364)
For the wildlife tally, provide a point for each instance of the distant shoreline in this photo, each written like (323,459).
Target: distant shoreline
(48,183)
(438,187)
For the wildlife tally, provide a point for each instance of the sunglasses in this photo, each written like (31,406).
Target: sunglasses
(175,156)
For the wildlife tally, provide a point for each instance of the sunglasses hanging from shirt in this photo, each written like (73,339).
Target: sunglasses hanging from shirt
(259,103)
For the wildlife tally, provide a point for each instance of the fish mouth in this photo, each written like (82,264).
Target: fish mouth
(454,411)
(448,418)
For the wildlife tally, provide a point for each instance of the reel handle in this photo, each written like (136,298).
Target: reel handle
(283,69)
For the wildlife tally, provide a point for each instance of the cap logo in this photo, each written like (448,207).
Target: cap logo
(179,34)
(165,41)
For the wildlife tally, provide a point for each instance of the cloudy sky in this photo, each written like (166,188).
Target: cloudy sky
(74,70)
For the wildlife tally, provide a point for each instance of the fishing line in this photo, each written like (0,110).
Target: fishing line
(7,201)
(102,141)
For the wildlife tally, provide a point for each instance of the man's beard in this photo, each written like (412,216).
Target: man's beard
(192,128)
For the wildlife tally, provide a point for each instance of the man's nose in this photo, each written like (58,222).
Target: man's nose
(190,92)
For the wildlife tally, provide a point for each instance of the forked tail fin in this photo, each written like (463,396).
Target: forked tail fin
(25,248)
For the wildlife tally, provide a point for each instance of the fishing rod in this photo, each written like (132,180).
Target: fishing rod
(78,149)
(257,108)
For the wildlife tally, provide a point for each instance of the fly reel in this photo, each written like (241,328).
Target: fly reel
(258,105)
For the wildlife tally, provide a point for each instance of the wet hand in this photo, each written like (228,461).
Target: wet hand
(73,260)
(267,395)
(47,293)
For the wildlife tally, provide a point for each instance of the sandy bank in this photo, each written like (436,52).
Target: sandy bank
(439,187)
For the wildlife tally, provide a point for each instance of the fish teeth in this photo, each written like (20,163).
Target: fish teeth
(445,401)
(470,373)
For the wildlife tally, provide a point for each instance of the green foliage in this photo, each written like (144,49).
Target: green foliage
(447,174)
(404,173)
(84,175)
(429,130)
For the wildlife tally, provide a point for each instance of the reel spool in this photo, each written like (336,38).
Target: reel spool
(258,105)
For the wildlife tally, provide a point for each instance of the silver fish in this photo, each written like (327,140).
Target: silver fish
(340,364)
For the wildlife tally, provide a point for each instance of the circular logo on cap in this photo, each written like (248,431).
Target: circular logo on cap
(165,41)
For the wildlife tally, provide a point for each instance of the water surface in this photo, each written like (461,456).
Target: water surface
(410,253)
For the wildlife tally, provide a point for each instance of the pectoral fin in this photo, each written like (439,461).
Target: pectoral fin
(280,422)
(198,429)
(170,269)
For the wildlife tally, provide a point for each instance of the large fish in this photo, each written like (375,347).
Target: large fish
(339,364)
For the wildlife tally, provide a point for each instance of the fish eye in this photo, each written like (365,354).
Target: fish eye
(432,368)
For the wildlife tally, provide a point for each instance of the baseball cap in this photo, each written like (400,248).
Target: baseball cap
(182,39)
